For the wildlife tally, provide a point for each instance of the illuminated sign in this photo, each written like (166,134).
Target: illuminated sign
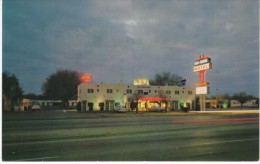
(202,90)
(203,61)
(202,67)
(86,78)
(141,81)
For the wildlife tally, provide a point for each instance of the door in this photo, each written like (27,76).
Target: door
(109,105)
(90,106)
(84,105)
(101,106)
(175,105)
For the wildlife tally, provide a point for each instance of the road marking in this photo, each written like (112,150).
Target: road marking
(38,149)
(209,143)
(41,158)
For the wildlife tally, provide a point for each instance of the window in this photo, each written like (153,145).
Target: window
(97,90)
(155,91)
(109,90)
(190,92)
(182,91)
(145,93)
(168,92)
(90,90)
(177,92)
(129,91)
(140,91)
(117,90)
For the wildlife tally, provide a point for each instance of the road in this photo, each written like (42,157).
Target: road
(72,136)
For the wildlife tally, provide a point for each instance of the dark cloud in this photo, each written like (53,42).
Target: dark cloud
(116,39)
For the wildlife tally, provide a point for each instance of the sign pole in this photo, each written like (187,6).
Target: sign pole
(203,102)
(201,65)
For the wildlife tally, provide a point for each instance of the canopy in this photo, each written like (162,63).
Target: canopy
(153,99)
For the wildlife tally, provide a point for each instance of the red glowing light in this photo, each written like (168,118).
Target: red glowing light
(202,57)
(86,78)
(202,64)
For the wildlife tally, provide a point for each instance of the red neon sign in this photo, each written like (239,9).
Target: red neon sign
(153,99)
(202,64)
(86,78)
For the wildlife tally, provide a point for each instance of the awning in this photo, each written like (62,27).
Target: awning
(153,99)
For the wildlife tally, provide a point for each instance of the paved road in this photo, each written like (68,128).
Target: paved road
(72,136)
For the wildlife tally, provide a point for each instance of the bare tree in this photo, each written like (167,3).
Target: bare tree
(242,98)
(166,78)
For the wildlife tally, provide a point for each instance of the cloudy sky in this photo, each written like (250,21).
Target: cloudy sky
(124,39)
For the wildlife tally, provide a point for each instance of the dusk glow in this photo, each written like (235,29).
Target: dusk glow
(124,39)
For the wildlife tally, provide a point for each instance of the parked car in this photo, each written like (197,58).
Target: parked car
(156,109)
(36,107)
(120,109)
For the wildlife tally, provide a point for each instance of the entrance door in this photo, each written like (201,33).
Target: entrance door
(84,105)
(90,106)
(101,106)
(109,105)
(175,105)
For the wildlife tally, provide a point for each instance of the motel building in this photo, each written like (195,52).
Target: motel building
(104,97)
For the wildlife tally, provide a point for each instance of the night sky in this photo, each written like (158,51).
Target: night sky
(124,39)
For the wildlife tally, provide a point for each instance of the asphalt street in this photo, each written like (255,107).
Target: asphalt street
(73,136)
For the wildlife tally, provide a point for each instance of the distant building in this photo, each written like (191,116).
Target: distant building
(249,103)
(45,104)
(104,97)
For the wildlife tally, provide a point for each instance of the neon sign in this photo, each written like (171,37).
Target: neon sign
(153,99)
(86,78)
(203,61)
(141,81)
(201,65)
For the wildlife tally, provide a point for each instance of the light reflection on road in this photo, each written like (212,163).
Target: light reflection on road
(216,121)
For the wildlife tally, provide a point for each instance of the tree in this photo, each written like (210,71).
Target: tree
(133,99)
(166,78)
(33,96)
(242,98)
(61,85)
(12,91)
